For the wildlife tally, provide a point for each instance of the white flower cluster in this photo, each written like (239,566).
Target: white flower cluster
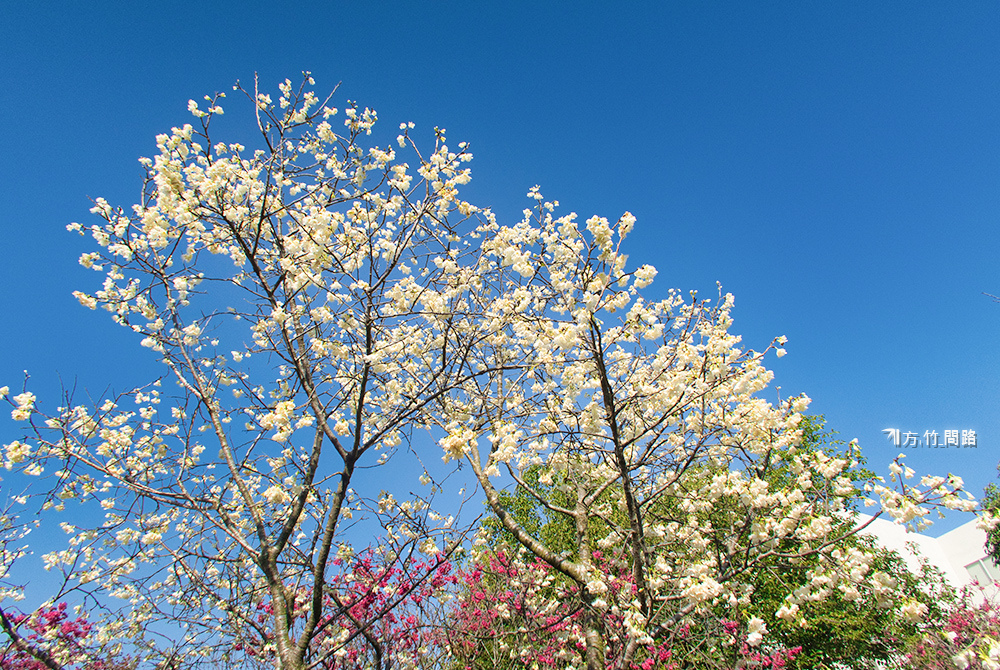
(25,404)
(457,443)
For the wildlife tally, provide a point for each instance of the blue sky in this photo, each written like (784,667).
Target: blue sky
(834,165)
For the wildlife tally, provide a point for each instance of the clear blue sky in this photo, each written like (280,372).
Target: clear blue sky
(834,165)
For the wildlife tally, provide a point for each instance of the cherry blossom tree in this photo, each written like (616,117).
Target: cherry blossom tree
(644,423)
(322,305)
(313,300)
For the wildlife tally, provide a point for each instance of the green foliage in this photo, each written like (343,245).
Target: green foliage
(838,632)
(536,520)
(556,530)
(991,503)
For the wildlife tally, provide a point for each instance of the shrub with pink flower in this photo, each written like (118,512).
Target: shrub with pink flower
(517,613)
(968,640)
(49,638)
(377,612)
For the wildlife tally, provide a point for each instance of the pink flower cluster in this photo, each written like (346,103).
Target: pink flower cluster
(969,640)
(375,613)
(51,632)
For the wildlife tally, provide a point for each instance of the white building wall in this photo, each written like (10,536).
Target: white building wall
(951,553)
